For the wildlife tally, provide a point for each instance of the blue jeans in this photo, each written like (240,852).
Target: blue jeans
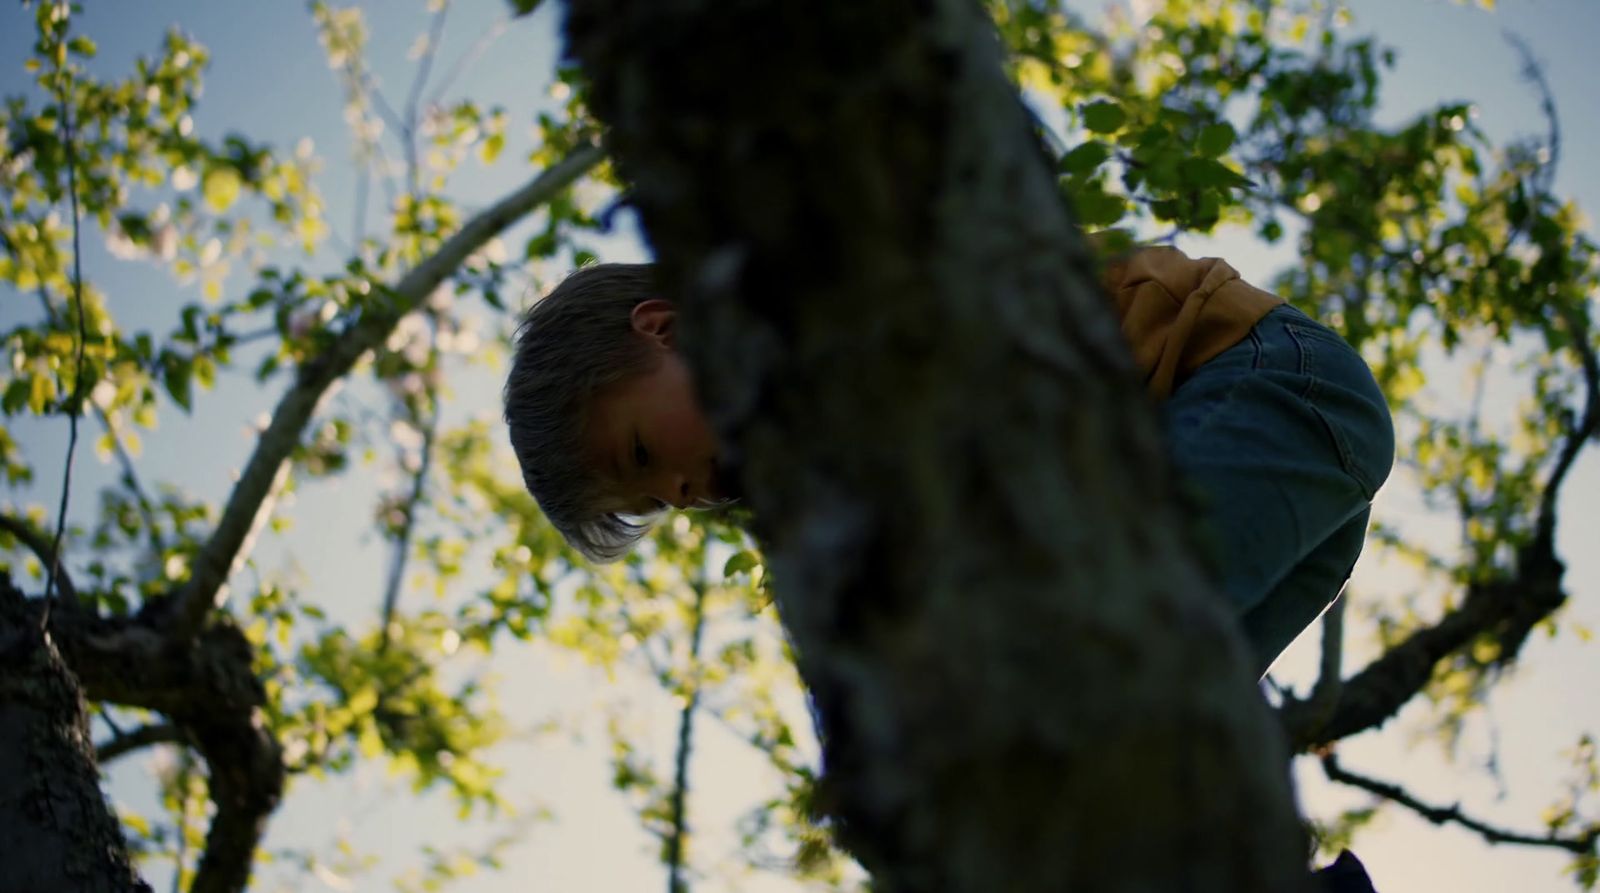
(1282,439)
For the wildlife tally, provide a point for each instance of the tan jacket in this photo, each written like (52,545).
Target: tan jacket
(1178,312)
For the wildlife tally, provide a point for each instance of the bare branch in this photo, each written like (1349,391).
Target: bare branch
(130,478)
(425,67)
(1587,426)
(1506,608)
(39,544)
(251,500)
(1577,324)
(1325,694)
(402,553)
(1533,72)
(489,36)
(144,736)
(408,130)
(1581,844)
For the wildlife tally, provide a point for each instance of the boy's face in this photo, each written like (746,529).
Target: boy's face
(647,436)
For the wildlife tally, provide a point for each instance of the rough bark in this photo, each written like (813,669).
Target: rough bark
(56,829)
(1023,681)
(208,688)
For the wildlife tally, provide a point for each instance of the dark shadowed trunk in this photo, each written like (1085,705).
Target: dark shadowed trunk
(1023,680)
(56,830)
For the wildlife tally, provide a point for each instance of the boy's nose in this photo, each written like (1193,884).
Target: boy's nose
(673,490)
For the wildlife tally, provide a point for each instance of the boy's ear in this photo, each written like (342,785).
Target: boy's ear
(656,319)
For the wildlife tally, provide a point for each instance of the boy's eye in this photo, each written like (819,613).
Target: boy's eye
(641,456)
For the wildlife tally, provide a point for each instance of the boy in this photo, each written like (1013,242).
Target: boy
(1274,421)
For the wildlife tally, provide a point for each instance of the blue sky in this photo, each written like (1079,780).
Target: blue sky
(268,79)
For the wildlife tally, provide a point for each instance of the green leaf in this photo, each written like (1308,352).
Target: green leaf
(740,562)
(1209,172)
(1085,157)
(523,7)
(179,379)
(491,148)
(1217,139)
(16,396)
(1097,208)
(221,188)
(40,392)
(1104,116)
(1166,209)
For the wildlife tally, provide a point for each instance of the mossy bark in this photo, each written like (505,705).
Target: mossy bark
(1024,680)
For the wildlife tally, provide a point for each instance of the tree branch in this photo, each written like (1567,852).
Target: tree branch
(487,38)
(67,134)
(402,553)
(418,82)
(209,691)
(1505,608)
(250,502)
(1583,844)
(129,477)
(39,544)
(1325,694)
(680,777)
(144,736)
(1584,430)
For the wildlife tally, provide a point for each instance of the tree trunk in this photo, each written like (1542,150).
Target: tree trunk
(56,831)
(1023,680)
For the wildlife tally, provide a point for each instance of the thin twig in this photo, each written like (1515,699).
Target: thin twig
(76,404)
(1533,72)
(363,188)
(419,481)
(425,64)
(379,102)
(123,744)
(418,83)
(39,544)
(489,36)
(187,763)
(129,477)
(680,779)
(1582,844)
